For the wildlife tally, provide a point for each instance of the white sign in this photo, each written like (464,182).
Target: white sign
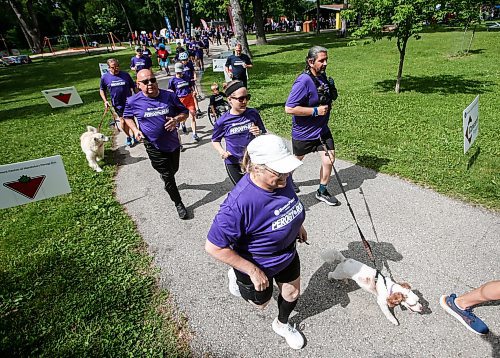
(225,54)
(62,97)
(168,48)
(15,51)
(103,68)
(218,64)
(471,124)
(25,182)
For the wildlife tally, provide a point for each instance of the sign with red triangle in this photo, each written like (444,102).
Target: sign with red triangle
(27,186)
(62,97)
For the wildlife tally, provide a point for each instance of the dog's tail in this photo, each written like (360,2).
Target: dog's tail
(91,129)
(332,255)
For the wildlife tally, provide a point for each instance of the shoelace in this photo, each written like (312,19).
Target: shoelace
(292,328)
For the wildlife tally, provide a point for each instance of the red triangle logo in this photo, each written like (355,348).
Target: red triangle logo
(63,97)
(26,185)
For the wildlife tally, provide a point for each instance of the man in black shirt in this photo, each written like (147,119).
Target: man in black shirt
(239,62)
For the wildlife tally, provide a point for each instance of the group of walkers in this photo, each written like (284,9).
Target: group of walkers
(259,224)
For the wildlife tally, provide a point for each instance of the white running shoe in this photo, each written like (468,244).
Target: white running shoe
(233,286)
(293,337)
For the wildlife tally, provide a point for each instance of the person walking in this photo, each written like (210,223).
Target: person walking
(120,86)
(237,65)
(158,112)
(256,229)
(237,127)
(163,60)
(461,307)
(189,74)
(310,102)
(139,61)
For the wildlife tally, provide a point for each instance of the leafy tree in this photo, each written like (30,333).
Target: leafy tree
(28,20)
(239,26)
(399,19)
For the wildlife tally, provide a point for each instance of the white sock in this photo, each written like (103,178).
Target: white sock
(456,304)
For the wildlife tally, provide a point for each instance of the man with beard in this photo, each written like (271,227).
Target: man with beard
(309,103)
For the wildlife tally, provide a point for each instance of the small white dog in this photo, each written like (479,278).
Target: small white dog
(92,143)
(389,293)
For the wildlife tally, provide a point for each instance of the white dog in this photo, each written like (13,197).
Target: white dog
(389,293)
(92,143)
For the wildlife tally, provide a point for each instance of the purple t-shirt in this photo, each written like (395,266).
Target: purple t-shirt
(151,115)
(180,86)
(188,71)
(235,129)
(119,87)
(305,94)
(259,225)
(140,63)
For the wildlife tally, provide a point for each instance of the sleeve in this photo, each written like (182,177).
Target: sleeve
(228,61)
(226,228)
(248,61)
(102,85)
(131,82)
(259,123)
(131,62)
(128,112)
(298,94)
(179,107)
(218,131)
(149,61)
(212,100)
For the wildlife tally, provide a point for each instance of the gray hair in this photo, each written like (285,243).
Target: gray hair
(112,60)
(313,52)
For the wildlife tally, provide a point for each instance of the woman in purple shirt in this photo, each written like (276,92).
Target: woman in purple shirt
(238,127)
(256,229)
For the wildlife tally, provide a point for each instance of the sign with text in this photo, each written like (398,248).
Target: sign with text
(471,123)
(34,180)
(103,68)
(62,97)
(218,64)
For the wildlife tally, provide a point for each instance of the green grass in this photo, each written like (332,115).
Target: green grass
(416,134)
(75,278)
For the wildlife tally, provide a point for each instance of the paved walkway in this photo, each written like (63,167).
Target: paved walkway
(437,244)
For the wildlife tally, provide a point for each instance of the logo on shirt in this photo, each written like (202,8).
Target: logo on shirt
(117,83)
(239,63)
(238,128)
(289,216)
(156,111)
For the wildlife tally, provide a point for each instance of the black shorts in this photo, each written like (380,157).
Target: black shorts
(303,147)
(247,289)
(119,112)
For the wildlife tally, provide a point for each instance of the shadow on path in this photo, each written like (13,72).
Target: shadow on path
(215,191)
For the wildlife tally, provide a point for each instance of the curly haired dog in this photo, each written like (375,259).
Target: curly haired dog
(92,143)
(389,293)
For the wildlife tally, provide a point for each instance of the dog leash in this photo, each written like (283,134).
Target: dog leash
(366,244)
(106,109)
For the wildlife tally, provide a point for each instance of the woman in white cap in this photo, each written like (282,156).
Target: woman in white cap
(256,229)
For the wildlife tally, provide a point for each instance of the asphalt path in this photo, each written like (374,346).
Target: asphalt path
(437,244)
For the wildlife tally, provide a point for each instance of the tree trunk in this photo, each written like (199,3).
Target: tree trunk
(27,37)
(178,15)
(344,21)
(259,22)
(32,29)
(317,17)
(239,27)
(402,52)
(471,38)
(126,18)
(181,12)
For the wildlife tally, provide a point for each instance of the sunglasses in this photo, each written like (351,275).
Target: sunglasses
(148,81)
(241,99)
(279,175)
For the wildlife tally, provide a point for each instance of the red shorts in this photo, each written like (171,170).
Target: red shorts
(188,102)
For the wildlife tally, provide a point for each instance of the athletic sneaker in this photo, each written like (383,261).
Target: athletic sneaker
(293,337)
(182,211)
(184,129)
(128,141)
(196,138)
(466,317)
(327,198)
(199,113)
(233,286)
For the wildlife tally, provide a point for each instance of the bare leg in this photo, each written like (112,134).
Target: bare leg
(490,291)
(326,167)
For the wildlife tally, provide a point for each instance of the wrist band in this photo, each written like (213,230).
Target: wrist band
(315,112)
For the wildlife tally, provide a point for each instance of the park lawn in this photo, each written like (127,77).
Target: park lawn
(76,279)
(416,134)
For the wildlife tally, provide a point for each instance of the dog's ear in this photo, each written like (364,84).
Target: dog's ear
(395,299)
(405,285)
(91,129)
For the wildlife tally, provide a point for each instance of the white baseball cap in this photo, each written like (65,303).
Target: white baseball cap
(271,150)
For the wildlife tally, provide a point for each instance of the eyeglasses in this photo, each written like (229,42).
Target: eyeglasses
(148,81)
(279,175)
(241,99)
(113,67)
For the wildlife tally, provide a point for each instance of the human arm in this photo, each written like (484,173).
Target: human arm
(223,153)
(172,122)
(306,111)
(302,236)
(102,93)
(230,257)
(133,127)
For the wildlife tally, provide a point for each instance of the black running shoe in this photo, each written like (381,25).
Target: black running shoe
(182,211)
(327,198)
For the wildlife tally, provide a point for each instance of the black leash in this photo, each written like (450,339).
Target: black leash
(366,244)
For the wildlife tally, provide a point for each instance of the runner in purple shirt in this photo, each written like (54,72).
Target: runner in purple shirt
(158,112)
(189,74)
(238,127)
(309,103)
(256,229)
(140,61)
(120,86)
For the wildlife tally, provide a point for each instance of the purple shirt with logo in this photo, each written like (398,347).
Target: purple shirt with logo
(151,114)
(305,94)
(180,86)
(140,63)
(235,129)
(119,87)
(188,71)
(259,225)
